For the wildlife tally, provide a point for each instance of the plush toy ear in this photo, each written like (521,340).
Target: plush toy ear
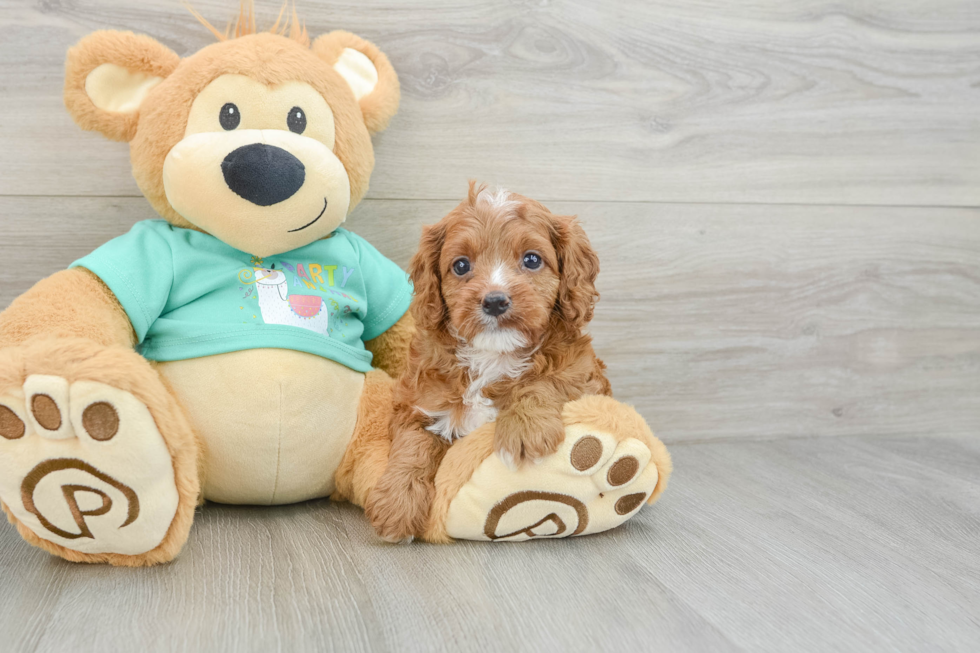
(368,73)
(107,76)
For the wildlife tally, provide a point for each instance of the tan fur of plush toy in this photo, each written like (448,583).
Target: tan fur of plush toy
(78,359)
(266,57)
(70,324)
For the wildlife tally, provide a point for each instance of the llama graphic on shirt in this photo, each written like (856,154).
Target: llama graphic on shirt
(279,307)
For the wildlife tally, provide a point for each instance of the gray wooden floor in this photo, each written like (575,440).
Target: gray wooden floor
(810,544)
(784,196)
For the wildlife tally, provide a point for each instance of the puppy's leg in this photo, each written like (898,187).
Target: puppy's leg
(367,454)
(398,507)
(530,426)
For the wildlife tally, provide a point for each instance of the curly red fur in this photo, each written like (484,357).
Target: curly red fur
(454,364)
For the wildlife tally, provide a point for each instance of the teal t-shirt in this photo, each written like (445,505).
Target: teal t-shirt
(189,295)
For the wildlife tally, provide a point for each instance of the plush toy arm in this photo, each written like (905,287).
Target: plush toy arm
(390,349)
(72,304)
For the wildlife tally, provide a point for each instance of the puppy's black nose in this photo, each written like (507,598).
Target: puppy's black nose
(263,174)
(496,304)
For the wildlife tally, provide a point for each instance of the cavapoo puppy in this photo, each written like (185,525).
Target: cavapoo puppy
(503,289)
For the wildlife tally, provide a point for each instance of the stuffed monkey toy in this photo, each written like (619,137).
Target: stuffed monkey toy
(240,348)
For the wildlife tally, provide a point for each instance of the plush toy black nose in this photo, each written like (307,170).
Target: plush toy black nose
(496,304)
(263,174)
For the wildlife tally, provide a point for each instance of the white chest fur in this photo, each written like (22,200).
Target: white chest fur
(487,359)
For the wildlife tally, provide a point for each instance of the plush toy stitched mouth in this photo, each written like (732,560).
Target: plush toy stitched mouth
(309,224)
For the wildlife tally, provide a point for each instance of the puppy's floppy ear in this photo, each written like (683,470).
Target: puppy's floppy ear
(368,73)
(428,306)
(107,77)
(578,268)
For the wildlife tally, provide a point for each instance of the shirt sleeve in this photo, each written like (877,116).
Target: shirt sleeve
(138,268)
(388,289)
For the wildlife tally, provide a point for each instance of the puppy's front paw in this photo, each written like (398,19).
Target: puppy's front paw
(507,442)
(527,438)
(398,514)
(544,436)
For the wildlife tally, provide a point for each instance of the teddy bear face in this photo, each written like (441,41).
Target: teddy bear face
(257,159)
(267,160)
(261,141)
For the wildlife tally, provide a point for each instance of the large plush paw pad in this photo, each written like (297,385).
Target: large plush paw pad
(83,465)
(595,481)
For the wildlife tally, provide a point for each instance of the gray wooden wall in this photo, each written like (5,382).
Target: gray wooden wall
(783,194)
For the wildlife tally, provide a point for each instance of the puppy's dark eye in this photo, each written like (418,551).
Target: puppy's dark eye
(296,120)
(461,266)
(229,116)
(532,260)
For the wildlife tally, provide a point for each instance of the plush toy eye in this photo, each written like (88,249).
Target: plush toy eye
(296,120)
(229,116)
(532,260)
(461,266)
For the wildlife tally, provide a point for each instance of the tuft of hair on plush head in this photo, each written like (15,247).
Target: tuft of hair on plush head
(244,24)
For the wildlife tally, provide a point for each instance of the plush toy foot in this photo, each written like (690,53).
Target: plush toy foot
(609,465)
(85,471)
